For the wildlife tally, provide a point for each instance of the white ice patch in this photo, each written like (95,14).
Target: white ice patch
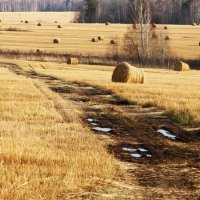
(105,130)
(167,134)
(136,155)
(129,149)
(94,124)
(90,120)
(142,150)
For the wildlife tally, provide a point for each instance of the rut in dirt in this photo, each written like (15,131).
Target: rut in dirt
(162,156)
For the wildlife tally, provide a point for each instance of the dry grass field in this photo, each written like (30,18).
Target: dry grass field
(177,93)
(49,149)
(46,152)
(76,38)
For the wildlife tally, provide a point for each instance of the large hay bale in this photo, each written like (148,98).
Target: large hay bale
(181,66)
(154,25)
(194,24)
(107,23)
(59,26)
(39,24)
(26,22)
(72,61)
(55,22)
(165,27)
(199,43)
(125,73)
(56,41)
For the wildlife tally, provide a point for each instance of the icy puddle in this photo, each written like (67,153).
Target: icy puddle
(137,153)
(167,134)
(105,130)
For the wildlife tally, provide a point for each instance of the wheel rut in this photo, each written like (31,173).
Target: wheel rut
(159,166)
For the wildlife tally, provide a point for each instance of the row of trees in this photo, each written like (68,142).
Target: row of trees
(115,11)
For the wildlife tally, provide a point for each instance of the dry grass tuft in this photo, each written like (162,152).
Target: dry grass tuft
(125,73)
(181,66)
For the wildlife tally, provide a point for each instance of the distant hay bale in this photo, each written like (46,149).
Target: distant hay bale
(107,23)
(113,42)
(39,24)
(167,38)
(59,26)
(72,61)
(100,38)
(194,24)
(154,35)
(56,41)
(55,22)
(165,27)
(22,21)
(125,73)
(26,22)
(181,66)
(199,43)
(154,25)
(94,40)
(134,26)
(39,51)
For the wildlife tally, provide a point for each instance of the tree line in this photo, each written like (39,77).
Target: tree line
(114,11)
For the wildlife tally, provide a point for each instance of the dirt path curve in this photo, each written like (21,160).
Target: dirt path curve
(159,166)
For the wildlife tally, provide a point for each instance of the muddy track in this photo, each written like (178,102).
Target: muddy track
(166,168)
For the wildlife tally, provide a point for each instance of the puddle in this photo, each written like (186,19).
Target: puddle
(139,152)
(167,134)
(105,130)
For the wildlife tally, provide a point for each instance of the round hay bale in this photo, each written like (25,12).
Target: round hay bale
(181,66)
(56,41)
(153,26)
(113,42)
(39,51)
(26,22)
(39,24)
(199,43)
(107,23)
(134,26)
(59,26)
(167,38)
(72,61)
(94,40)
(194,24)
(125,73)
(22,21)
(154,35)
(165,27)
(100,38)
(55,22)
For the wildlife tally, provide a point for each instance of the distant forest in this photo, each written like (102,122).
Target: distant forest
(115,11)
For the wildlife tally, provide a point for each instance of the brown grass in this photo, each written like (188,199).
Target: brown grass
(46,152)
(125,73)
